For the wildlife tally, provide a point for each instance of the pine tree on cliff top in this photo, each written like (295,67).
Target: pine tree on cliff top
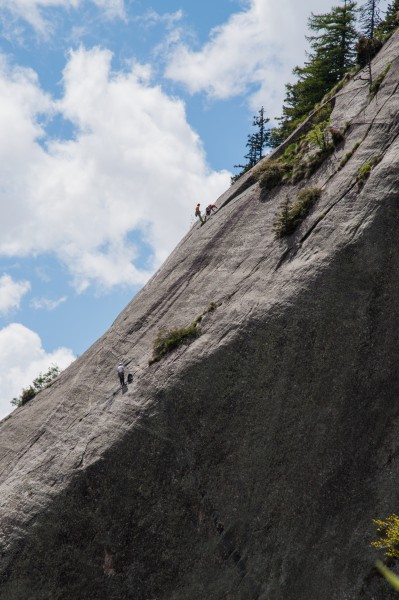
(260,139)
(368,45)
(370,18)
(332,54)
(256,143)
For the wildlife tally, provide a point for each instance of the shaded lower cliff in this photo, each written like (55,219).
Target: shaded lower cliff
(249,464)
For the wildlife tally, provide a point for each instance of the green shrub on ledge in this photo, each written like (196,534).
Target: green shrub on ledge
(271,173)
(364,172)
(292,216)
(168,340)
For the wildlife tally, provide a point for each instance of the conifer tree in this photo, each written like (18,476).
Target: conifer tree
(391,19)
(256,143)
(368,45)
(370,17)
(332,54)
(261,137)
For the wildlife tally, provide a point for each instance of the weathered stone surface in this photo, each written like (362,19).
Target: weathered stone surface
(250,463)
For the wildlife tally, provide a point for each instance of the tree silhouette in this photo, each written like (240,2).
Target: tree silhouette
(42,381)
(256,143)
(370,18)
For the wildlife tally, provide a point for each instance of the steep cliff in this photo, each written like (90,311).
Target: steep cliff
(249,464)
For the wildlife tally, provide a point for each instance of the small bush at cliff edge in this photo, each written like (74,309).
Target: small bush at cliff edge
(292,216)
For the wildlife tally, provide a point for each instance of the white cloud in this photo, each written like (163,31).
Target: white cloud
(22,358)
(47,303)
(11,293)
(134,169)
(255,50)
(32,10)
(152,18)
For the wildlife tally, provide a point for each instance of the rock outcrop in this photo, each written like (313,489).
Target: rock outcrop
(250,463)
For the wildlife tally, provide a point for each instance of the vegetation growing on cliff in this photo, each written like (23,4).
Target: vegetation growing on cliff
(364,172)
(375,86)
(303,157)
(38,384)
(271,173)
(212,306)
(348,155)
(292,215)
(332,54)
(390,22)
(168,340)
(256,143)
(336,54)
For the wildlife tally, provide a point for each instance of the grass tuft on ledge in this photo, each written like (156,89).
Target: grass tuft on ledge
(271,173)
(365,170)
(375,86)
(168,340)
(348,155)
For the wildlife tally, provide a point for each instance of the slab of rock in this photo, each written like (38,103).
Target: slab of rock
(250,463)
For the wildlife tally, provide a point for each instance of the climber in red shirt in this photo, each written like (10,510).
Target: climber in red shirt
(209,209)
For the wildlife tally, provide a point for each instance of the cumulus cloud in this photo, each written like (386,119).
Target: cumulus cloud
(133,169)
(32,11)
(255,50)
(11,293)
(23,358)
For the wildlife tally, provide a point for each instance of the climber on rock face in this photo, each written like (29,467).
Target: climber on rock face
(209,209)
(198,213)
(121,373)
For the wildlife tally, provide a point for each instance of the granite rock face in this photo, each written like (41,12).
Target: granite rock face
(249,464)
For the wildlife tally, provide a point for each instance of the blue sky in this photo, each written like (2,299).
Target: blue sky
(117,117)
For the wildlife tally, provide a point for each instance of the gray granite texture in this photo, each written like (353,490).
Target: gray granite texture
(249,464)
